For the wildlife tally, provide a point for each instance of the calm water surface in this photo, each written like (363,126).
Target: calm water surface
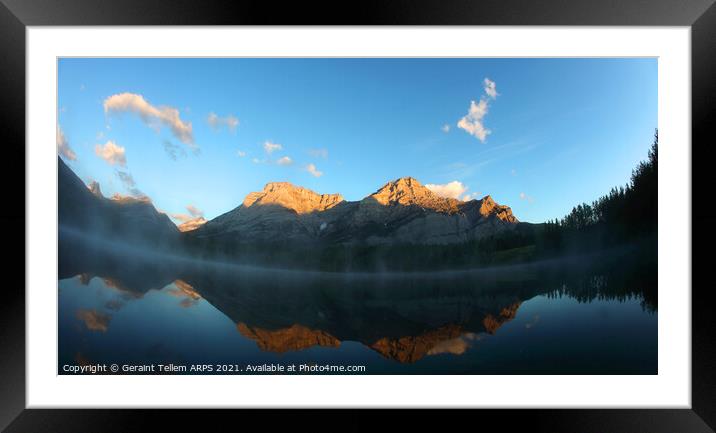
(593,317)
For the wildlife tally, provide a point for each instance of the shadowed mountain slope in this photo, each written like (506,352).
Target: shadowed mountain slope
(85,209)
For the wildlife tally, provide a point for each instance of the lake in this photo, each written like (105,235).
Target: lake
(595,315)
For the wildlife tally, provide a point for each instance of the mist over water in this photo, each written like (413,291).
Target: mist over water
(122,304)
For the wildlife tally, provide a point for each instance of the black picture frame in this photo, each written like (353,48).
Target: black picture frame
(16,15)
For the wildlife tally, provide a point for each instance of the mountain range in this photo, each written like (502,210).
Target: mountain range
(402,211)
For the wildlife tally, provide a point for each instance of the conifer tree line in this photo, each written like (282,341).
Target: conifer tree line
(625,214)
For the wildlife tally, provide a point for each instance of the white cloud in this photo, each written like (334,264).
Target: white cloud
(452,189)
(181,217)
(240,153)
(513,172)
(195,216)
(130,184)
(151,115)
(472,121)
(63,147)
(318,153)
(194,211)
(524,196)
(173,150)
(255,160)
(217,122)
(490,88)
(311,168)
(284,160)
(111,153)
(471,196)
(126,179)
(270,147)
(445,128)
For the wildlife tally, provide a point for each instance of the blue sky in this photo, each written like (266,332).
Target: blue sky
(206,132)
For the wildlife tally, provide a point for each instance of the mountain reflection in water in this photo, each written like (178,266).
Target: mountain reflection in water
(595,316)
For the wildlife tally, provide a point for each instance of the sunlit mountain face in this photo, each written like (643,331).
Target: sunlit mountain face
(403,210)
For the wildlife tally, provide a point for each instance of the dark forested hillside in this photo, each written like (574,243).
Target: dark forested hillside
(627,214)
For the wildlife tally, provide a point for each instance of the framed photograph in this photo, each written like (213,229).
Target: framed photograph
(430,201)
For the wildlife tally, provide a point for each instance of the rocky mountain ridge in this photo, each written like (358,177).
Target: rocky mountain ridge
(298,199)
(402,210)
